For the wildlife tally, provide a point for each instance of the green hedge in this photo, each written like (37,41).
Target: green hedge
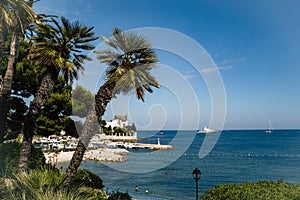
(263,190)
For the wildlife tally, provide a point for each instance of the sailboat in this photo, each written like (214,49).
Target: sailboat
(270,129)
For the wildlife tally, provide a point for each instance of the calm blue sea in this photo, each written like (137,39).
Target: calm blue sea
(237,157)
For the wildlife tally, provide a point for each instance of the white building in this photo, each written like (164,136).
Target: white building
(119,121)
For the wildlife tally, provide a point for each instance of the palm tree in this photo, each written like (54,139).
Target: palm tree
(128,71)
(16,16)
(60,49)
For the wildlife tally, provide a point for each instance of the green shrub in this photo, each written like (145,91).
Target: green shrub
(263,190)
(119,196)
(87,179)
(9,158)
(42,184)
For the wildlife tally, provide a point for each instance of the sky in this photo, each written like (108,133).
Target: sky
(253,48)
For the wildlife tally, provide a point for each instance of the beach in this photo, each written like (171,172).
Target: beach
(101,155)
(104,154)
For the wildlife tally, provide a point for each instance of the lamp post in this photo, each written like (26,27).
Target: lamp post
(196,176)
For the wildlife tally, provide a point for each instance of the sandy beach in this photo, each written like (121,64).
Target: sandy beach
(101,155)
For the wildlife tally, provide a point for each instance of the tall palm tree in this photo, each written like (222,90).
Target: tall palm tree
(128,71)
(15,17)
(59,47)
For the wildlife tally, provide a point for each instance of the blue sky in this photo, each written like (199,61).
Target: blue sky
(255,45)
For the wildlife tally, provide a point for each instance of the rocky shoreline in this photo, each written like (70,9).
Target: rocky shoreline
(101,155)
(106,155)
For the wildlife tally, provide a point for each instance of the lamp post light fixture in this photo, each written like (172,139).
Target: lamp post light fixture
(196,176)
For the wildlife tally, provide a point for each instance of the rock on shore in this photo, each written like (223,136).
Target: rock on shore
(106,155)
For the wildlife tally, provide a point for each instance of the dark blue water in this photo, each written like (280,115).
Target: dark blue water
(237,157)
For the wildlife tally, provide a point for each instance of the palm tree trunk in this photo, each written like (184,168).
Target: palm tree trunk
(40,100)
(103,97)
(3,38)
(5,89)
(91,126)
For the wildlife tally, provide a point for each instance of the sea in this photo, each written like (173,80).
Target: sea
(230,156)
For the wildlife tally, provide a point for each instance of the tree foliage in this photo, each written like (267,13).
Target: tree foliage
(82,101)
(27,76)
(54,115)
(262,190)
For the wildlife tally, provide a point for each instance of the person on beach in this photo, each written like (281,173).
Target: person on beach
(55,159)
(50,160)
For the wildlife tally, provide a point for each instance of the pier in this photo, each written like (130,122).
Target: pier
(145,146)
(152,146)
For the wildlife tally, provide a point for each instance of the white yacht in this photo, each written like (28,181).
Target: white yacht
(207,130)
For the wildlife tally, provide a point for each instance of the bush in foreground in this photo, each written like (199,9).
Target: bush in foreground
(264,190)
(88,179)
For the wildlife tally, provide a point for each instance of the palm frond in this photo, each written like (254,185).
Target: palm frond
(108,42)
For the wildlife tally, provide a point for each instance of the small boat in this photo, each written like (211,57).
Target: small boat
(161,132)
(207,130)
(270,129)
